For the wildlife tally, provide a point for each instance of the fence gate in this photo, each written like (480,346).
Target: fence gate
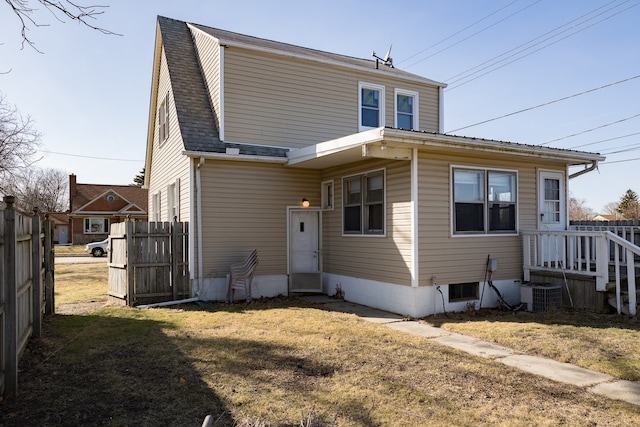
(148,262)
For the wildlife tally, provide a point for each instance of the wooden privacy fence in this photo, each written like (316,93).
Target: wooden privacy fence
(148,262)
(26,286)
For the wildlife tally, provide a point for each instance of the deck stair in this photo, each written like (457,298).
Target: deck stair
(611,259)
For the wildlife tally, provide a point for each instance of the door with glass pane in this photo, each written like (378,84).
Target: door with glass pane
(551,217)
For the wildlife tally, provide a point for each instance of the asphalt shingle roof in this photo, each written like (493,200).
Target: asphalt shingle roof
(194,110)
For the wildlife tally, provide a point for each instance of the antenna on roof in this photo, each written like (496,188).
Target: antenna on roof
(387,60)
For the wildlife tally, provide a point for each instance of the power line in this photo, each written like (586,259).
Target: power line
(603,140)
(457,32)
(619,161)
(537,50)
(451,81)
(474,34)
(591,130)
(545,104)
(89,157)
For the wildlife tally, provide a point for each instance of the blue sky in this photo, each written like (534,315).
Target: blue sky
(89,93)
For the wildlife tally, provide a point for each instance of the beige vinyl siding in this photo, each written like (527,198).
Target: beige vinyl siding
(208,52)
(383,258)
(244,206)
(459,259)
(167,161)
(294,103)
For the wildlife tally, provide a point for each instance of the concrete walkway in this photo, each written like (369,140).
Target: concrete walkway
(595,382)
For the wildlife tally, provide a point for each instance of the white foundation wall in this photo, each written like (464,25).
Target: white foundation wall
(215,289)
(415,302)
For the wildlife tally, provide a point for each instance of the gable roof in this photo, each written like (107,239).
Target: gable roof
(191,99)
(87,199)
(229,38)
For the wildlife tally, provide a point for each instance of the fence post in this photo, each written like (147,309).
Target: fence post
(130,262)
(174,258)
(10,300)
(36,269)
(49,280)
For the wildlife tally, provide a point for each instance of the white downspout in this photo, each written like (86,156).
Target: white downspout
(440,109)
(199,224)
(415,274)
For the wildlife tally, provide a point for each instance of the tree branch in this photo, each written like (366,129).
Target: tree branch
(59,9)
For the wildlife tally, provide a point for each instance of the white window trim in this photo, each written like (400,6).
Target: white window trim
(163,119)
(416,115)
(327,205)
(384,204)
(105,225)
(156,206)
(486,233)
(173,200)
(381,114)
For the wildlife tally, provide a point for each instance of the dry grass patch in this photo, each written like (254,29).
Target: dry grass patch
(601,342)
(80,286)
(70,250)
(276,363)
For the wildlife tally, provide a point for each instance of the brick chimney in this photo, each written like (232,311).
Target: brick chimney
(72,190)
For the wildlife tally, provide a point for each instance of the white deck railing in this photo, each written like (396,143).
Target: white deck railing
(588,253)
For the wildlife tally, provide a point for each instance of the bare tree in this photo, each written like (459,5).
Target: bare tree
(579,211)
(611,208)
(19,141)
(26,10)
(45,189)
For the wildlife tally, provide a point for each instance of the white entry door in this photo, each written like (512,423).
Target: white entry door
(305,252)
(551,203)
(551,216)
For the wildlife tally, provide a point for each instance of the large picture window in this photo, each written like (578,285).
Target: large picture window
(96,225)
(364,203)
(371,104)
(484,201)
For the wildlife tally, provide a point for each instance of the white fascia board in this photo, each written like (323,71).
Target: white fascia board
(487,145)
(237,157)
(334,146)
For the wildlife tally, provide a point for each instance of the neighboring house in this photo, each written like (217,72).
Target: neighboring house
(242,130)
(93,208)
(607,217)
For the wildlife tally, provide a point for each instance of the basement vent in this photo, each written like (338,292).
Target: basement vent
(541,298)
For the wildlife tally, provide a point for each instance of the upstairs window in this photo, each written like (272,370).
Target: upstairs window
(484,201)
(371,101)
(406,109)
(163,119)
(364,203)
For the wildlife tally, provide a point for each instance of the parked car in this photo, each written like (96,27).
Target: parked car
(97,249)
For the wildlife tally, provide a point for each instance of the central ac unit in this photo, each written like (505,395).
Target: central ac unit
(540,298)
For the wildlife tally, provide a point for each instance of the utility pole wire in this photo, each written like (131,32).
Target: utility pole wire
(590,130)
(604,140)
(456,33)
(473,35)
(538,50)
(451,80)
(545,104)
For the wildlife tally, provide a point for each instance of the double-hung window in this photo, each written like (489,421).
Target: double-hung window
(371,104)
(484,201)
(364,203)
(406,108)
(163,119)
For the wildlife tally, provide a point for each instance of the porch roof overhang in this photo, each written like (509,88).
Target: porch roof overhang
(398,144)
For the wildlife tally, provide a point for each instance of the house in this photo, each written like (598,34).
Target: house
(60,227)
(94,207)
(336,169)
